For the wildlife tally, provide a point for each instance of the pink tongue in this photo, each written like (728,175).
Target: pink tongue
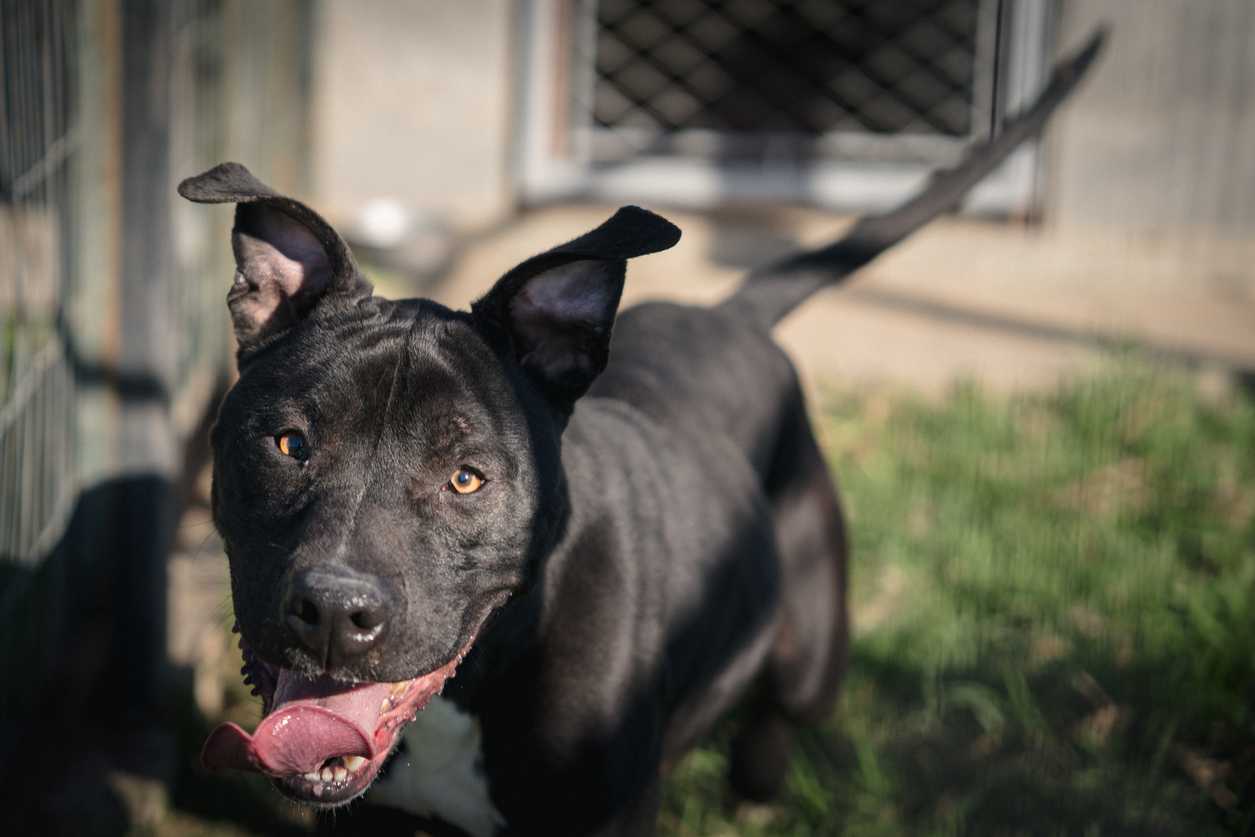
(313,719)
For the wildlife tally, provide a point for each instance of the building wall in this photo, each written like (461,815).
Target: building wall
(1156,155)
(412,103)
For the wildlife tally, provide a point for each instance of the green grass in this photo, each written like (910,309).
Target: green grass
(1054,620)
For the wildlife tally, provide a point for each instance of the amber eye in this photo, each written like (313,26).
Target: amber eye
(292,444)
(465,481)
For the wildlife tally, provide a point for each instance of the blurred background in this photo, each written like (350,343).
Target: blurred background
(1106,265)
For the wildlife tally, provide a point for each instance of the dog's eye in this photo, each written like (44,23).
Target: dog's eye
(465,481)
(292,444)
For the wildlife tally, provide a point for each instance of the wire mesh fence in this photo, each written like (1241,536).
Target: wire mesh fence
(113,331)
(36,141)
(38,138)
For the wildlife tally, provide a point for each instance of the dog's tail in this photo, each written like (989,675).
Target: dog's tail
(773,291)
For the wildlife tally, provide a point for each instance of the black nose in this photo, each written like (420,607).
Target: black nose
(336,617)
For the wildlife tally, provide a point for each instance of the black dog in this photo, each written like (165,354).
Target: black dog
(608,548)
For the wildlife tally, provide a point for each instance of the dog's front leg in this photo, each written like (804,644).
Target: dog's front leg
(640,817)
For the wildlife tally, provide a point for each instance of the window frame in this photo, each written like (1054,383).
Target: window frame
(869,172)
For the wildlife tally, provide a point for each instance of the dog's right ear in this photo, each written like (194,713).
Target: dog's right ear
(288,259)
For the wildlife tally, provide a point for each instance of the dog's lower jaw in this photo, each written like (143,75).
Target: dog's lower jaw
(338,781)
(320,740)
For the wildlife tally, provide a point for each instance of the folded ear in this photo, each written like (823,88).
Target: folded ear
(556,309)
(287,257)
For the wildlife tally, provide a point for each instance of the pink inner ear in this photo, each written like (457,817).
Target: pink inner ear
(560,316)
(299,261)
(285,267)
(573,294)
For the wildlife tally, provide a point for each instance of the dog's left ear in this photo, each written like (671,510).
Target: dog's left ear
(557,309)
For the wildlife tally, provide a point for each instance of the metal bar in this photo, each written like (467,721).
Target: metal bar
(51,352)
(42,169)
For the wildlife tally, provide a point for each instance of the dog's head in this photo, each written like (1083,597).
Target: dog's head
(386,473)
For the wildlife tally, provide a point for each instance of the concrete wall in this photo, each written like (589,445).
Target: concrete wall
(1156,156)
(412,103)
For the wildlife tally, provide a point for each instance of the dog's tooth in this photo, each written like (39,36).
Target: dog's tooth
(354,763)
(386,705)
(326,774)
(398,688)
(313,777)
(340,773)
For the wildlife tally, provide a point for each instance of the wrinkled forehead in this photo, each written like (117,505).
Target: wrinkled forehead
(399,370)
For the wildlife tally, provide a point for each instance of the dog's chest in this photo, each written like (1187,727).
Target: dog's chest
(440,774)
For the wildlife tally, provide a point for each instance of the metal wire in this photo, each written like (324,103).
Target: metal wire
(37,141)
(38,486)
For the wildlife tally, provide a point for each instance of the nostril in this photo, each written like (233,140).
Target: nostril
(305,611)
(367,619)
(300,612)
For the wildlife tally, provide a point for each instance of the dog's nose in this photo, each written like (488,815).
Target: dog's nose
(336,617)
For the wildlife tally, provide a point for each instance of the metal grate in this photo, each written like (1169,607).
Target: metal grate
(855,80)
(806,66)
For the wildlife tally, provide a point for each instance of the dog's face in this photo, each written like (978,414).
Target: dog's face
(350,450)
(378,486)
(386,474)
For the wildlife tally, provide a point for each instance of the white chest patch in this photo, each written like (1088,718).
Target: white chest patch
(441,772)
